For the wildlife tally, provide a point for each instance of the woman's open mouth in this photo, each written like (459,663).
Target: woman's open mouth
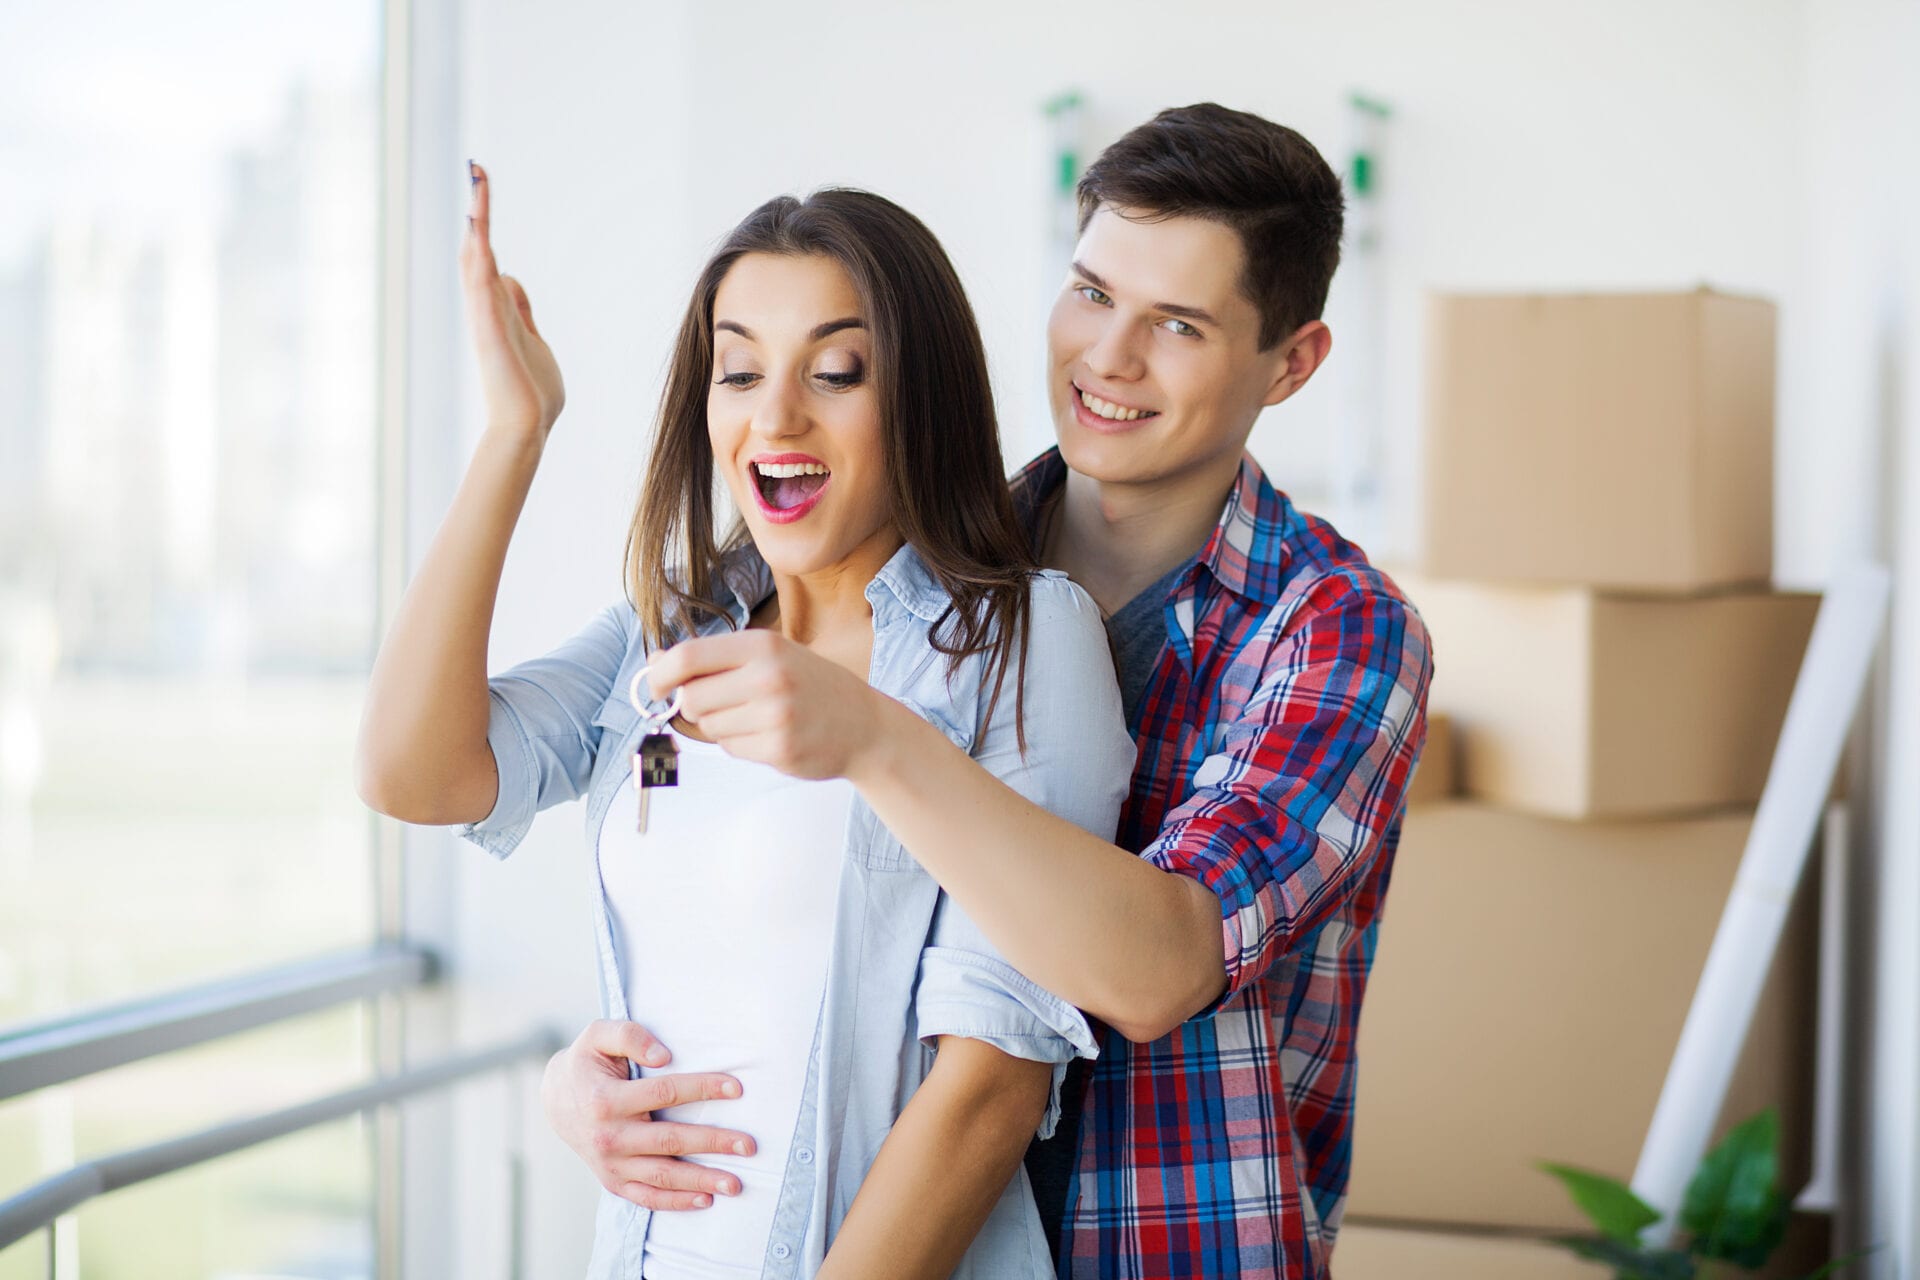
(788,485)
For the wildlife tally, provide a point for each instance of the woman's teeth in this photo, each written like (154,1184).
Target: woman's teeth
(785,485)
(1113,411)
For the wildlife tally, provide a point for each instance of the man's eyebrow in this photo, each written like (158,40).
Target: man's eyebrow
(1080,269)
(1186,313)
(818,332)
(1170,308)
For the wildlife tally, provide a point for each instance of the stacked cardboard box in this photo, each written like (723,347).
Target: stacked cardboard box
(1613,671)
(1370,1252)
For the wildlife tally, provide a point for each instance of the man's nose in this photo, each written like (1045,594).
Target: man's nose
(1116,353)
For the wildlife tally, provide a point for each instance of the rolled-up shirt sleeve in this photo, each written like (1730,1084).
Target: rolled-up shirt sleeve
(1077,764)
(1287,816)
(965,989)
(540,727)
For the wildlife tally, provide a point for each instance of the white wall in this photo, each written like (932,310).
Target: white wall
(1850,458)
(1636,143)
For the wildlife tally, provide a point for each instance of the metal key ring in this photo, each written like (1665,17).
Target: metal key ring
(665,718)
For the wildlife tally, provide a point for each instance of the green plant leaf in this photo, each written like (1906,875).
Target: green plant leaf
(1608,1203)
(1630,1262)
(1733,1208)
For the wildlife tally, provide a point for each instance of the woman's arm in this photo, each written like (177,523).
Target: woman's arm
(944,1166)
(1134,945)
(422,754)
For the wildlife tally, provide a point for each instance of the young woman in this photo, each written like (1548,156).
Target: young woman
(888,1065)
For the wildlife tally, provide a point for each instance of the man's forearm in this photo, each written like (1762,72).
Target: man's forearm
(943,1167)
(1135,946)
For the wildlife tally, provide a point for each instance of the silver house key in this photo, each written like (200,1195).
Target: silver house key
(656,763)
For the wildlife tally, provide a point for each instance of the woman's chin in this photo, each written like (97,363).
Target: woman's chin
(804,549)
(790,550)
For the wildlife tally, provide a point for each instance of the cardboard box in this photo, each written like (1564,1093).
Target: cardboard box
(1436,777)
(1363,1252)
(1620,440)
(1530,985)
(1579,704)
(1369,1251)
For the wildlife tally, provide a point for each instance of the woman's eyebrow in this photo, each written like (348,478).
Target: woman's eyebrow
(835,326)
(818,332)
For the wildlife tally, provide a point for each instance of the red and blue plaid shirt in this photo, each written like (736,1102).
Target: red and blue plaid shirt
(1277,735)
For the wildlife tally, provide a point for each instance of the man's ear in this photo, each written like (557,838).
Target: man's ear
(1300,354)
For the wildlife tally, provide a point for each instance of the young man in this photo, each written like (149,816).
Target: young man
(1275,683)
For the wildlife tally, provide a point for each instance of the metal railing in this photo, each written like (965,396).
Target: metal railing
(38,1055)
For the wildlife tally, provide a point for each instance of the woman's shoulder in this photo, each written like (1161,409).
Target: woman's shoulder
(1053,591)
(1065,626)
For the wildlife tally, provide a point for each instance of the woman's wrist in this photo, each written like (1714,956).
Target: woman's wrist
(885,752)
(513,437)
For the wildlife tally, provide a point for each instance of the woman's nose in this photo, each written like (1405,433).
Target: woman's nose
(779,414)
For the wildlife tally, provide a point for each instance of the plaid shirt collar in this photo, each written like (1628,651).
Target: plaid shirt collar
(1249,550)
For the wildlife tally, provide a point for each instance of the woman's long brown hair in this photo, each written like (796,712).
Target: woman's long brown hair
(940,436)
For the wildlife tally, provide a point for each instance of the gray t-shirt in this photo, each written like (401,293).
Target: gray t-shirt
(1137,631)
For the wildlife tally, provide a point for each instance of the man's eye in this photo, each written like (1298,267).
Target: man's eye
(737,380)
(1182,328)
(1093,295)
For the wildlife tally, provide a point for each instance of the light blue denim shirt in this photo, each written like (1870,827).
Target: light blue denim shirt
(906,964)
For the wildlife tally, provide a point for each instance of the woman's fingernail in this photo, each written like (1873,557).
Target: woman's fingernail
(740,1148)
(656,1057)
(729,1089)
(702,1201)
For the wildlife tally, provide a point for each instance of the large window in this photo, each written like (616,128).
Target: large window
(189,235)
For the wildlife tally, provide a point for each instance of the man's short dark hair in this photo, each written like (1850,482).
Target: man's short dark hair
(1262,179)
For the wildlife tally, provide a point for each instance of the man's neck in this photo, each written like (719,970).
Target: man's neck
(1116,540)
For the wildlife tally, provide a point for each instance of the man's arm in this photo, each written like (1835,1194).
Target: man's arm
(943,1166)
(1280,826)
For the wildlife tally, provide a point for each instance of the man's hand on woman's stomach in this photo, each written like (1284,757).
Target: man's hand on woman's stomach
(607,1118)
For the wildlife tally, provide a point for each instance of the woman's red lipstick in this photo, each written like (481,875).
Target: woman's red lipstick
(785,515)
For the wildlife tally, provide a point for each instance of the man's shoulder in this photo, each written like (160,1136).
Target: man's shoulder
(1322,566)
(1330,583)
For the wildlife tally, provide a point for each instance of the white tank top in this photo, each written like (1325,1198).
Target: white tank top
(723,918)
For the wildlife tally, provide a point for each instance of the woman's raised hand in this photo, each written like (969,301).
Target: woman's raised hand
(517,371)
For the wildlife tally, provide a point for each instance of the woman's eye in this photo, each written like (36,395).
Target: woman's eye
(1182,328)
(737,379)
(841,381)
(1092,295)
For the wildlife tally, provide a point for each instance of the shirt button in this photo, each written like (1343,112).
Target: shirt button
(804,1155)
(782,1252)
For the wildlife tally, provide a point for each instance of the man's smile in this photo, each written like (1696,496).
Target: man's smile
(1103,414)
